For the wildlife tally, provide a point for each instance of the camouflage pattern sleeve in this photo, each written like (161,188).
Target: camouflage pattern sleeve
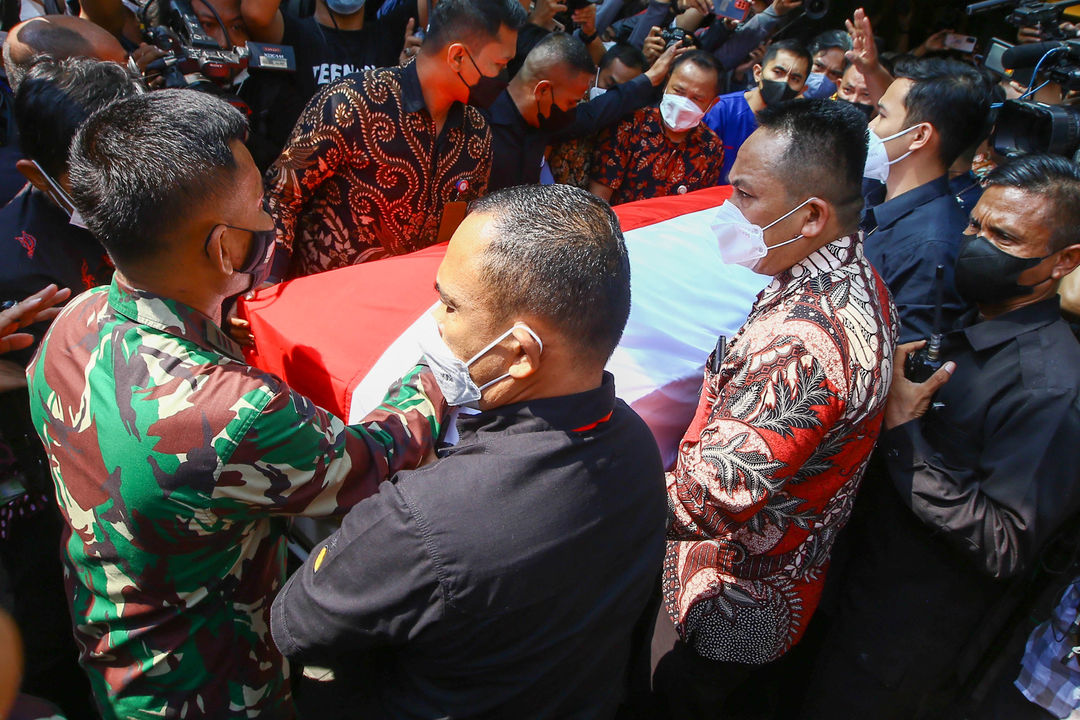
(295,458)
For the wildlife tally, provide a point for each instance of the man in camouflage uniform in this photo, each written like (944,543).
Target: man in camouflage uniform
(175,463)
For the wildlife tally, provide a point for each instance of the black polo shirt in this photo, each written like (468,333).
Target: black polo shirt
(517,148)
(38,246)
(909,236)
(502,580)
(961,503)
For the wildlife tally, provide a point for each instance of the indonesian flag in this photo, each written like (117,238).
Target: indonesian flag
(342,337)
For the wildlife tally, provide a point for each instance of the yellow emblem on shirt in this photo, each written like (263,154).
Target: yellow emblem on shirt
(319,559)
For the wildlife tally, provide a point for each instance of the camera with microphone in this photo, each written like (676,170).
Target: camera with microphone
(1025,126)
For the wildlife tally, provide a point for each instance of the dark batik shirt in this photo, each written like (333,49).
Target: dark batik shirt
(365,176)
(638,161)
(175,465)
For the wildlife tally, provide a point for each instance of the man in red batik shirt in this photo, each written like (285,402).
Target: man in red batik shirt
(767,472)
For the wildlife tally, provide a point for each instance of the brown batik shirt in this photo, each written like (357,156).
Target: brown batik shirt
(365,175)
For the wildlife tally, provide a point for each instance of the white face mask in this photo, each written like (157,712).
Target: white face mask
(596,91)
(452,373)
(679,113)
(877,158)
(61,198)
(741,241)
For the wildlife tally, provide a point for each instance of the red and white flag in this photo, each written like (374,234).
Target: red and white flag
(342,337)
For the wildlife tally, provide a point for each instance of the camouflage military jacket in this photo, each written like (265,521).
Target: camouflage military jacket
(175,466)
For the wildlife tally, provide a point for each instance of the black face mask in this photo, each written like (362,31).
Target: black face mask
(987,275)
(557,119)
(776,91)
(260,258)
(486,89)
(865,109)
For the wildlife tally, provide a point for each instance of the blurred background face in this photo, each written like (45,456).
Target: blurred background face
(614,74)
(785,67)
(693,83)
(853,87)
(830,62)
(229,12)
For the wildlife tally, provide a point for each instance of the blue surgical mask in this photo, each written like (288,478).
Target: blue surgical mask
(818,85)
(345,7)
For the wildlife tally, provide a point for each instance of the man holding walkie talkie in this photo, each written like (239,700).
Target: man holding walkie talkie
(979,462)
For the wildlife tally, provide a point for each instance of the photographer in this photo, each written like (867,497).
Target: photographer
(978,462)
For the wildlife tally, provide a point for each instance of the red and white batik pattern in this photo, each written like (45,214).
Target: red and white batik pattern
(767,472)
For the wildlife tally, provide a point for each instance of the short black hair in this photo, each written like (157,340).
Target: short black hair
(559,254)
(1053,177)
(952,96)
(825,154)
(794,47)
(55,98)
(830,39)
(625,53)
(466,20)
(140,163)
(559,49)
(703,60)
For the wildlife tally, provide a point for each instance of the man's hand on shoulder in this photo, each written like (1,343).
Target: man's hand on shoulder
(910,400)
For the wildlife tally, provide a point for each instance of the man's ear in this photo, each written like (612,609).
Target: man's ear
(1066,262)
(757,73)
(221,252)
(527,358)
(922,137)
(30,171)
(455,56)
(817,218)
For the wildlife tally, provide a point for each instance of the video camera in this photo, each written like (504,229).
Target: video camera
(1030,127)
(195,60)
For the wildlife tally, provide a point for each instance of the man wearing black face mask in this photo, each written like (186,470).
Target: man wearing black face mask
(542,105)
(780,77)
(979,462)
(173,458)
(376,159)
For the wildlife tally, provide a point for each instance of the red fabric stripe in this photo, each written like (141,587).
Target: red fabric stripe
(319,333)
(648,212)
(593,426)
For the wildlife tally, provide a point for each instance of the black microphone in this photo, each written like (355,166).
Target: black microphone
(1026,56)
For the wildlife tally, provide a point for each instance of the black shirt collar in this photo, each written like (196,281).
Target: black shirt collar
(996,331)
(412,97)
(890,211)
(504,112)
(572,413)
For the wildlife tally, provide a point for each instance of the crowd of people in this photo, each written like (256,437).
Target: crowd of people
(871,513)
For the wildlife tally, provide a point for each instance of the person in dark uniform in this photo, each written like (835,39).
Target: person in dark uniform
(508,577)
(978,463)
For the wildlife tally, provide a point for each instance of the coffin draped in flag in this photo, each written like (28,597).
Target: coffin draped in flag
(342,337)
